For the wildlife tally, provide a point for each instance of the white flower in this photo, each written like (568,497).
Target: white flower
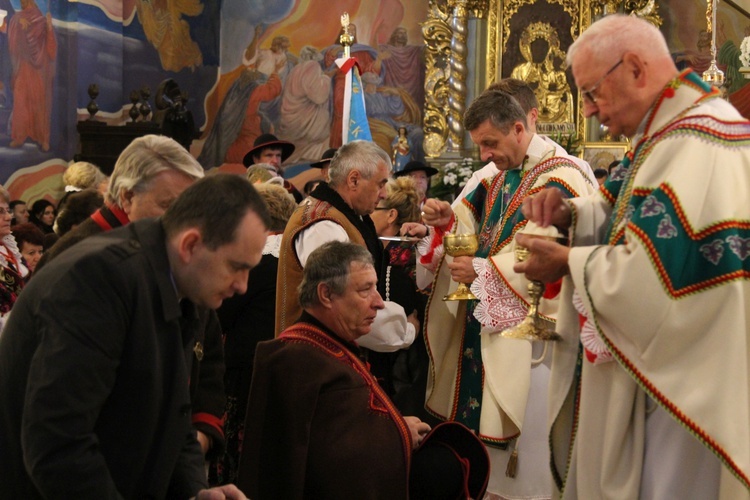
(745,49)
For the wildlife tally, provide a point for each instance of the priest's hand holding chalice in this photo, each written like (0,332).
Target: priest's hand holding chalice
(461,247)
(540,257)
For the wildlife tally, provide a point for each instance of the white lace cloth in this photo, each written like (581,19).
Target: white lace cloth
(273,245)
(499,307)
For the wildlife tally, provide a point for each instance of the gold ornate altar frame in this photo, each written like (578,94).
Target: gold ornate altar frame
(445,34)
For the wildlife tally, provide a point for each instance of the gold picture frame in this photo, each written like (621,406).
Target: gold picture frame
(602,154)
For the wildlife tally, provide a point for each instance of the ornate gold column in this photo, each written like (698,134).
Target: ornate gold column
(445,33)
(457,95)
(437,35)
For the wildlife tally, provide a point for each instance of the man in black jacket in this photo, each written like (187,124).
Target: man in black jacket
(148,176)
(94,381)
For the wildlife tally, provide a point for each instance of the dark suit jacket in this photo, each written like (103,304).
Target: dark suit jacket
(207,374)
(94,368)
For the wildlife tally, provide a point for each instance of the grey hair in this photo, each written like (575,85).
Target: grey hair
(500,108)
(619,34)
(330,264)
(363,156)
(146,157)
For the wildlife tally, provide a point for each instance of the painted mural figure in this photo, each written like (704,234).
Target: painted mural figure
(305,107)
(33,50)
(277,59)
(404,65)
(238,122)
(5,66)
(169,33)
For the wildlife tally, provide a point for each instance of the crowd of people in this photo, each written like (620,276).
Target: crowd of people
(214,336)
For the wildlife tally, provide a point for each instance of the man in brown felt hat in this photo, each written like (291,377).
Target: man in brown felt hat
(324,162)
(268,148)
(421,174)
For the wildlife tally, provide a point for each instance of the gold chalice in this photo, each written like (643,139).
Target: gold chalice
(459,245)
(532,327)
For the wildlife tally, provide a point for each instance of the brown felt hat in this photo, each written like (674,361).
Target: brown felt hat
(268,141)
(450,462)
(325,160)
(415,166)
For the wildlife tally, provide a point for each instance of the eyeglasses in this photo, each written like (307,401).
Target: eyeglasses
(5,211)
(382,208)
(588,95)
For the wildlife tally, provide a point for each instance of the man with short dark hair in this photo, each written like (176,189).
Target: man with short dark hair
(20,212)
(148,177)
(493,385)
(524,95)
(95,361)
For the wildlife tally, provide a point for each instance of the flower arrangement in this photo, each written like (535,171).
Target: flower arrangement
(570,142)
(745,49)
(451,179)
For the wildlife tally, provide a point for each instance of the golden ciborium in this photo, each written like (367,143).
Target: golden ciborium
(533,327)
(459,245)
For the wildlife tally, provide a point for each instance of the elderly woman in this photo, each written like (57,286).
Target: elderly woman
(246,320)
(12,269)
(408,368)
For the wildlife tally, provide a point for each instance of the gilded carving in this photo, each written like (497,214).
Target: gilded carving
(437,35)
(457,96)
(492,56)
(510,7)
(478,8)
(646,9)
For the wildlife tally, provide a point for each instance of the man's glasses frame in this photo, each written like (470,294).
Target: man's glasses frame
(588,95)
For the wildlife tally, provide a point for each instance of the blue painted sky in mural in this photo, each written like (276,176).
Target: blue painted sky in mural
(238,21)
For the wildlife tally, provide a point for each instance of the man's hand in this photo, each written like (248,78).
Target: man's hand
(548,261)
(228,491)
(462,269)
(547,207)
(437,213)
(413,229)
(413,318)
(418,430)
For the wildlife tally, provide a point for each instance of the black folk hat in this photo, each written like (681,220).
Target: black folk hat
(325,160)
(268,141)
(415,166)
(451,462)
